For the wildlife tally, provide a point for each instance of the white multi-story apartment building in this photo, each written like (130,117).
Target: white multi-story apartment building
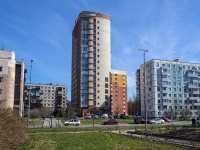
(172,88)
(45,95)
(91,62)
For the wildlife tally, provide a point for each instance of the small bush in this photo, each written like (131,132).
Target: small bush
(13,131)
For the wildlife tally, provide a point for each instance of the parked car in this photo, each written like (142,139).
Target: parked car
(157,121)
(123,116)
(105,116)
(111,121)
(166,119)
(88,117)
(95,116)
(73,122)
(138,119)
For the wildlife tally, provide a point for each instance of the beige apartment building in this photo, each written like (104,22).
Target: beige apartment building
(45,95)
(11,81)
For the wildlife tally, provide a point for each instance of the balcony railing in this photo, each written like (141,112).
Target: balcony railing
(196,104)
(193,98)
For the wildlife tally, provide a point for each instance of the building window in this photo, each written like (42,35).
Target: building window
(106,79)
(106,91)
(1,69)
(106,85)
(0,91)
(1,79)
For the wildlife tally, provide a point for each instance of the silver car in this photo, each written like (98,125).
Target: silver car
(157,121)
(73,122)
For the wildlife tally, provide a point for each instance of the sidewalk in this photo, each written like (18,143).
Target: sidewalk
(162,139)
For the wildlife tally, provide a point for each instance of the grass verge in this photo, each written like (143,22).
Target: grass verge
(93,140)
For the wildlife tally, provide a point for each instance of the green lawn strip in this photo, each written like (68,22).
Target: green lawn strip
(92,140)
(68,129)
(35,121)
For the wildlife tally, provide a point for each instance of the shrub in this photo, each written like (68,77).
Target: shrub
(13,131)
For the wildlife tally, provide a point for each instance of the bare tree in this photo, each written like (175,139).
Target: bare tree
(134,106)
(70,111)
(185,113)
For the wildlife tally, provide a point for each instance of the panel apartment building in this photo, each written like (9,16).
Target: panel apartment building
(91,63)
(11,81)
(171,86)
(45,95)
(118,86)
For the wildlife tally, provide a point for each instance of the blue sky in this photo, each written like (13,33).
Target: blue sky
(41,30)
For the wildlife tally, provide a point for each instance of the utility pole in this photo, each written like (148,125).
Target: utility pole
(145,105)
(29,100)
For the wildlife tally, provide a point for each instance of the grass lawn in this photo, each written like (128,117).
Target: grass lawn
(91,141)
(35,121)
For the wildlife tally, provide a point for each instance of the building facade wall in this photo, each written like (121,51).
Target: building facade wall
(172,88)
(7,78)
(118,90)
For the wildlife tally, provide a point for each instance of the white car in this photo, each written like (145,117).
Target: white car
(157,121)
(73,122)
(105,116)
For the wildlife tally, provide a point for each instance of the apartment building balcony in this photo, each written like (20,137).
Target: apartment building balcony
(165,73)
(195,81)
(194,98)
(196,104)
(164,85)
(165,97)
(193,75)
(165,103)
(164,91)
(195,92)
(193,86)
(91,32)
(164,79)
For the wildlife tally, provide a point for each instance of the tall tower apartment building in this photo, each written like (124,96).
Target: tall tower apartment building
(91,62)
(118,86)
(11,81)
(171,88)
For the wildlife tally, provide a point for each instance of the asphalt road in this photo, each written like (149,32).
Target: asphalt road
(56,123)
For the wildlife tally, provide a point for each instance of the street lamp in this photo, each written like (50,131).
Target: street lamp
(29,100)
(145,106)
